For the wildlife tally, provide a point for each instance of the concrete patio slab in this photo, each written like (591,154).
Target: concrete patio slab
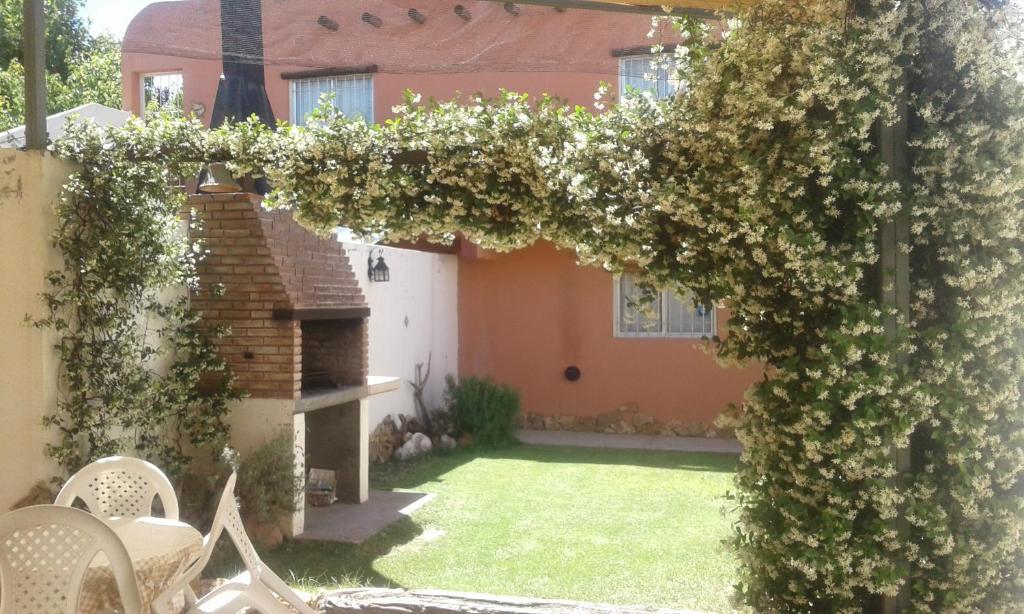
(630,442)
(354,523)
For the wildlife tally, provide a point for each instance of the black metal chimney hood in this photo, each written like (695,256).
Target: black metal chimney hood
(241,91)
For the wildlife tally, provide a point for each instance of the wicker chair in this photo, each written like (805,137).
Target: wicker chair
(45,551)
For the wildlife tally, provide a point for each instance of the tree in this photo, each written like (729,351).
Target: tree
(93,75)
(67,34)
(79,67)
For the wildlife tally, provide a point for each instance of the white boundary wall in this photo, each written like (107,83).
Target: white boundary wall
(30,183)
(412,316)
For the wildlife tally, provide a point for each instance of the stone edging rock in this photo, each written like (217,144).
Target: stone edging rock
(627,419)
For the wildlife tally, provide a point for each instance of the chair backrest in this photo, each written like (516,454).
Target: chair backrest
(44,552)
(227,519)
(120,486)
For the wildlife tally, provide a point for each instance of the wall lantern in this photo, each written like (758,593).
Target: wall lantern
(377,271)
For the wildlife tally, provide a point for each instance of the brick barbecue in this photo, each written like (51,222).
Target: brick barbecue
(283,290)
(298,322)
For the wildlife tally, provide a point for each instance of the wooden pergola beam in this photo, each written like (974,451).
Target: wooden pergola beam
(34,42)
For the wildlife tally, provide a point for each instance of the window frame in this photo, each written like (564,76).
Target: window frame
(663,298)
(293,83)
(625,57)
(160,73)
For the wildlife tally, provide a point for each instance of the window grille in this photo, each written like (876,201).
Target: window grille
(163,89)
(666,315)
(350,94)
(653,73)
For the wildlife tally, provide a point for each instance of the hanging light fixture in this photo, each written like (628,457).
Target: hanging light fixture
(377,271)
(218,180)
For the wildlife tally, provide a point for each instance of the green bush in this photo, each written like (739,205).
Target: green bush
(267,485)
(484,409)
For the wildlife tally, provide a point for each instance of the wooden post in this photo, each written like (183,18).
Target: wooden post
(34,37)
(895,289)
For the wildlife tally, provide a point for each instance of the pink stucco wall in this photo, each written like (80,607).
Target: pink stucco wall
(525,316)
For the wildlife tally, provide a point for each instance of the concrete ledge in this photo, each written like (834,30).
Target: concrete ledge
(376,384)
(400,601)
(329,397)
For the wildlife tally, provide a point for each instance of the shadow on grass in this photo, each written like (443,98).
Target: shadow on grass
(317,566)
(433,467)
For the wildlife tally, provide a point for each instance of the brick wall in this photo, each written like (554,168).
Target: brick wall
(338,347)
(258,261)
(315,270)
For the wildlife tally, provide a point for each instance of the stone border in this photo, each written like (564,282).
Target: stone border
(627,420)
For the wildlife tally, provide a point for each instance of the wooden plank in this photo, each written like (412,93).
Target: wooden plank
(336,71)
(642,50)
(400,601)
(894,293)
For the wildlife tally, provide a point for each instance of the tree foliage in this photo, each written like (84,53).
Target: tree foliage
(80,68)
(67,34)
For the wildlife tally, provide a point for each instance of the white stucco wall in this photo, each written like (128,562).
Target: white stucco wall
(412,316)
(30,183)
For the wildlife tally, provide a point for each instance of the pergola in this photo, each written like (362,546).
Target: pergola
(894,287)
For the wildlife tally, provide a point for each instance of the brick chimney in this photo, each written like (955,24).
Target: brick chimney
(290,298)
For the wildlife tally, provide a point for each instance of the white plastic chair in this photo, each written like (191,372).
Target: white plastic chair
(120,486)
(45,551)
(258,587)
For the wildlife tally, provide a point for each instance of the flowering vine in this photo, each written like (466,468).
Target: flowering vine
(135,361)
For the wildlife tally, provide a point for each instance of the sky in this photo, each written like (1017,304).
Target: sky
(112,16)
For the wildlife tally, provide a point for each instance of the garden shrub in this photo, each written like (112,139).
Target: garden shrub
(267,486)
(484,409)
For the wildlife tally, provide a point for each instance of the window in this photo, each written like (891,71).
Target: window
(669,315)
(162,89)
(653,73)
(352,95)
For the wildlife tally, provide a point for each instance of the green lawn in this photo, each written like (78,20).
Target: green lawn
(617,526)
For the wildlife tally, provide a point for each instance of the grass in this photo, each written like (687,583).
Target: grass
(617,526)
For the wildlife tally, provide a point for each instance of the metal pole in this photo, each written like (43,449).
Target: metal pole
(895,291)
(34,37)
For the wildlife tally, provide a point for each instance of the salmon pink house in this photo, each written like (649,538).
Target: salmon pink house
(570,338)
